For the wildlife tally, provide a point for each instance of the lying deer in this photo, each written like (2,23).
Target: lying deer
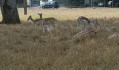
(94,32)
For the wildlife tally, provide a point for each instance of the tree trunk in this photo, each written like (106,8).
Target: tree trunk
(25,7)
(9,12)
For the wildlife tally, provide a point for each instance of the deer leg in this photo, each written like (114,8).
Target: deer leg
(77,29)
(96,23)
(92,24)
(35,27)
(48,29)
(103,25)
(54,25)
(82,26)
(43,21)
(43,29)
(85,26)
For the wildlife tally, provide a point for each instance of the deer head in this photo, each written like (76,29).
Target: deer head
(29,18)
(40,15)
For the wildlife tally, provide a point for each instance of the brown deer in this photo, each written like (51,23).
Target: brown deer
(49,20)
(36,21)
(94,32)
(84,21)
(40,21)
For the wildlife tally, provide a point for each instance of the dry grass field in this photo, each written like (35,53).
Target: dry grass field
(22,47)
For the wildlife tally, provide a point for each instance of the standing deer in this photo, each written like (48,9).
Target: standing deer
(85,22)
(40,21)
(49,20)
(36,21)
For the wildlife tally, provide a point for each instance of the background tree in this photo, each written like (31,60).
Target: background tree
(25,7)
(9,12)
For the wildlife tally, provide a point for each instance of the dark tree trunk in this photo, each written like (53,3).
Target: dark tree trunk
(25,7)
(9,12)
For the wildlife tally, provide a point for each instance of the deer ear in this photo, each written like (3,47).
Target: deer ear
(30,16)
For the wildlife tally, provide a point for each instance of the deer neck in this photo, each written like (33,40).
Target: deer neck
(32,20)
(41,16)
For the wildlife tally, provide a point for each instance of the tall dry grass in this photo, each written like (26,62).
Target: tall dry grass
(22,47)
